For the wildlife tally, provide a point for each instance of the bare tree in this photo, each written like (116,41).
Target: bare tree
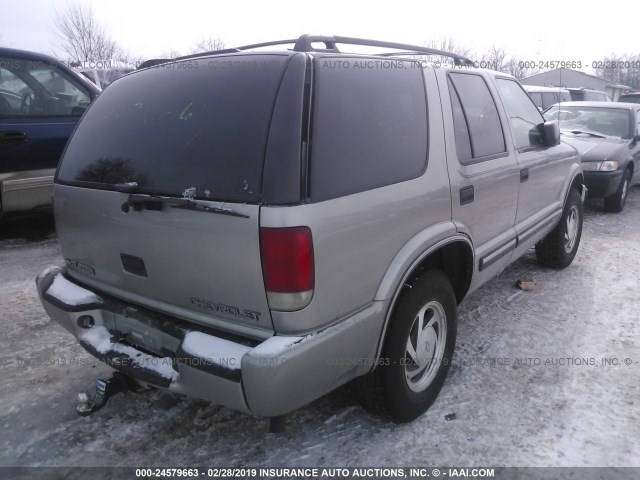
(445,44)
(209,44)
(448,45)
(518,69)
(82,38)
(170,54)
(495,59)
(620,69)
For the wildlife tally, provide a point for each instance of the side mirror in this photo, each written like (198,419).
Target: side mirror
(551,133)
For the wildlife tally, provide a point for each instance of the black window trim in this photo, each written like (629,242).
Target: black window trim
(484,158)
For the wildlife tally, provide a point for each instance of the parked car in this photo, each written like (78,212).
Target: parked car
(588,95)
(544,97)
(630,97)
(41,100)
(607,135)
(258,228)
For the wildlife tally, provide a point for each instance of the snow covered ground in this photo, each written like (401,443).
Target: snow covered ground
(528,387)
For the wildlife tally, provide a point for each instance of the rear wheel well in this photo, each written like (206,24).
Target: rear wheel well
(455,260)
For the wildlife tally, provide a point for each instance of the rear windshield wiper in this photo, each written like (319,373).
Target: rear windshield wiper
(187,204)
(155,202)
(126,187)
(582,132)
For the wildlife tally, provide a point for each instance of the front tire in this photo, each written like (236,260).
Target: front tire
(559,247)
(615,203)
(417,350)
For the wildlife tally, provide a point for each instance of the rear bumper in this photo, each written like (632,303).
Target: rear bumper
(602,184)
(270,378)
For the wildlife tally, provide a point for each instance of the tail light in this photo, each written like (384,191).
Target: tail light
(287,266)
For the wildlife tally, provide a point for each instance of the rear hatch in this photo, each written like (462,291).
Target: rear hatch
(157,198)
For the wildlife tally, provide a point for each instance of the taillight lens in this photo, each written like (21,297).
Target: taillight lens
(287,266)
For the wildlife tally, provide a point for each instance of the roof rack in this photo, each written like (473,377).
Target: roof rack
(305,44)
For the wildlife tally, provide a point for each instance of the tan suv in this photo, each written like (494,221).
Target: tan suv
(257,228)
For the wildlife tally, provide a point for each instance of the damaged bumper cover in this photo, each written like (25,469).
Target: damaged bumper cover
(267,378)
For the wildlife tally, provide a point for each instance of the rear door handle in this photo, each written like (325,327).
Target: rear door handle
(524,175)
(13,137)
(466,195)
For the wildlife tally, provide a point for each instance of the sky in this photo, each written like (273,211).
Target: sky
(537,31)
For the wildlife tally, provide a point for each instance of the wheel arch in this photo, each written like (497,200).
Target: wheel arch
(454,256)
(577,183)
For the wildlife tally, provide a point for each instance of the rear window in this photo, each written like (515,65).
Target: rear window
(548,99)
(369,125)
(576,96)
(193,127)
(630,98)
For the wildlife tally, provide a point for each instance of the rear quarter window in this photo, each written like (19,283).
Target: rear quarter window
(478,131)
(199,126)
(576,96)
(369,125)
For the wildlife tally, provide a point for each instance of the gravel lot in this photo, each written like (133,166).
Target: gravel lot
(529,387)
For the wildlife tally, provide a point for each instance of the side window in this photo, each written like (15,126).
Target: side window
(369,125)
(477,126)
(35,88)
(596,97)
(565,96)
(548,99)
(536,97)
(524,115)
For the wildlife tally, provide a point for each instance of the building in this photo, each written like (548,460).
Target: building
(567,78)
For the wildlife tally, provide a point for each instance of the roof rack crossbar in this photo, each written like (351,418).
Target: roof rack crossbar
(305,44)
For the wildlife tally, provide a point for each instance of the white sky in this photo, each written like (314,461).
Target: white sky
(539,30)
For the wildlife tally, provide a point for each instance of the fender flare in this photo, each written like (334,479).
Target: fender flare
(407,265)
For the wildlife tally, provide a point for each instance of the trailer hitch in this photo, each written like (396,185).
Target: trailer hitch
(105,389)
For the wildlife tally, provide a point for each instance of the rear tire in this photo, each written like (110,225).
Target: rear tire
(559,247)
(615,203)
(417,350)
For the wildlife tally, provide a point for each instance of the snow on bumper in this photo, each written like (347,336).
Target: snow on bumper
(270,378)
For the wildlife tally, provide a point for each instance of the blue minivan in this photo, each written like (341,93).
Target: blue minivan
(41,100)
